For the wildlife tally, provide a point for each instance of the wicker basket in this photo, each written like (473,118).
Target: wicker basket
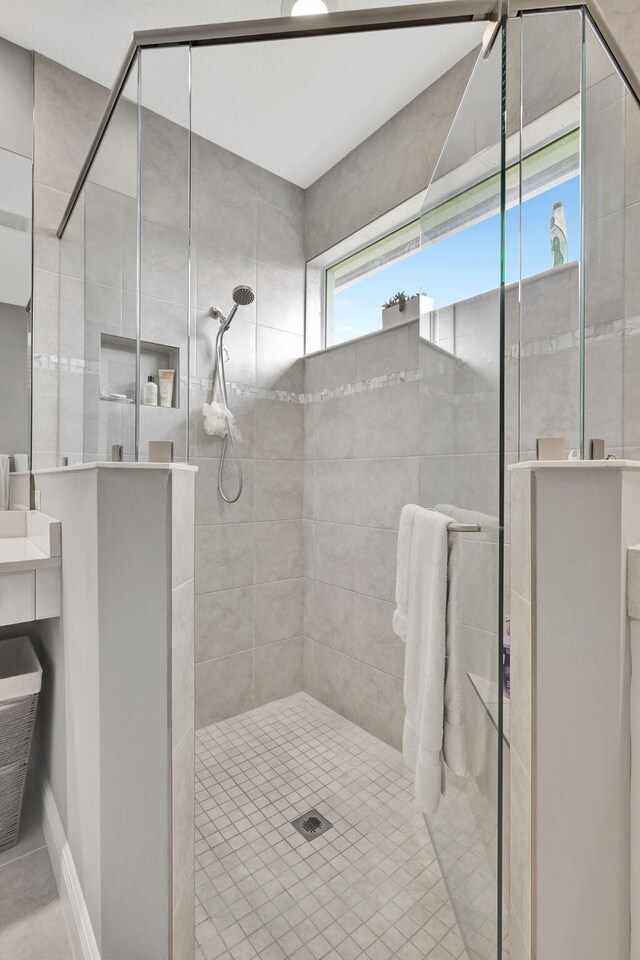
(20,682)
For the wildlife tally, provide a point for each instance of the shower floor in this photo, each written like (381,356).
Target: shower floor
(369,887)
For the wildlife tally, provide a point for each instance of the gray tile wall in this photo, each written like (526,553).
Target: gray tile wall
(249,587)
(249,228)
(373,444)
(362,449)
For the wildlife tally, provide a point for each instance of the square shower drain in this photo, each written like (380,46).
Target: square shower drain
(311,824)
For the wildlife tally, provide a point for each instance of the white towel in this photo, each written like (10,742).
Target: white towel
(405,533)
(5,462)
(434,670)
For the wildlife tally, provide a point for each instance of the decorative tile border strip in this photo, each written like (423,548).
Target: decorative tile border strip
(50,361)
(371,383)
(255,393)
(570,339)
(45,361)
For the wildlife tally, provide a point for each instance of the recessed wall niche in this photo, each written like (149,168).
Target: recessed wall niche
(118,367)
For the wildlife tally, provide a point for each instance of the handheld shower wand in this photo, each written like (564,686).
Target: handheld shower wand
(242,297)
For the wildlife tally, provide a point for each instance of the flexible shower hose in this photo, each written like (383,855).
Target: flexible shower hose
(229,434)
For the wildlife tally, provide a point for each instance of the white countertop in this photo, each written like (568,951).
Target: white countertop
(576,465)
(18,554)
(29,540)
(111,465)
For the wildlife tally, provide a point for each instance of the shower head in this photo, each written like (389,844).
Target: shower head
(243,295)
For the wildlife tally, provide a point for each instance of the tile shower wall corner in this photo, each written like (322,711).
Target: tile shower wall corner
(362,445)
(249,555)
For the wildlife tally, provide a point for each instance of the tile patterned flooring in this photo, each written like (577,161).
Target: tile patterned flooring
(371,887)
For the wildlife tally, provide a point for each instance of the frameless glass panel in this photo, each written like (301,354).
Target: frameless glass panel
(71,298)
(164,251)
(460,346)
(611,304)
(545,217)
(110,277)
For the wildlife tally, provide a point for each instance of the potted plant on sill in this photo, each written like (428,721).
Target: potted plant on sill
(401,308)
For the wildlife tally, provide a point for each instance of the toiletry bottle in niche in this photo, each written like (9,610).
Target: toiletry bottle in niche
(166,387)
(150,393)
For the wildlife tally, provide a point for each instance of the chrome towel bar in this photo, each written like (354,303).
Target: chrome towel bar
(464,528)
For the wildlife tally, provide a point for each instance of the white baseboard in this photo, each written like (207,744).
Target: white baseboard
(81,933)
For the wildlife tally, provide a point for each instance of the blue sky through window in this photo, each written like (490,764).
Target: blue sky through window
(464,264)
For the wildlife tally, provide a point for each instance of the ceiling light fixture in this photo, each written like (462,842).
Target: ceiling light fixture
(306,8)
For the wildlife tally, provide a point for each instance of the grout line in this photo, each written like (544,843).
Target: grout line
(302,636)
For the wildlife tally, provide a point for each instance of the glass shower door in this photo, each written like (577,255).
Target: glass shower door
(461,470)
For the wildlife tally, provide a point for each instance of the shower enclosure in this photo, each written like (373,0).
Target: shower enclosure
(223,162)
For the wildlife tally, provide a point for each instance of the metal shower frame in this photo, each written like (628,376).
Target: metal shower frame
(437,12)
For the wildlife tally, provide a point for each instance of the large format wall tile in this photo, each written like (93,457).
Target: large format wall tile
(210,507)
(278,611)
(387,421)
(333,679)
(335,491)
(279,430)
(67,111)
(376,562)
(279,489)
(280,302)
(383,487)
(375,642)
(223,688)
(240,342)
(378,704)
(334,617)
(278,670)
(226,218)
(279,365)
(224,622)
(278,550)
(335,554)
(335,428)
(224,556)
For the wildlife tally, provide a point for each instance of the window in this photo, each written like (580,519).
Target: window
(450,252)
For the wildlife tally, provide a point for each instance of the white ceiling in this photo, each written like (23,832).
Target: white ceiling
(295,115)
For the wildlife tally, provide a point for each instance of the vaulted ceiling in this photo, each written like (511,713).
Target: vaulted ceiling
(294,108)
